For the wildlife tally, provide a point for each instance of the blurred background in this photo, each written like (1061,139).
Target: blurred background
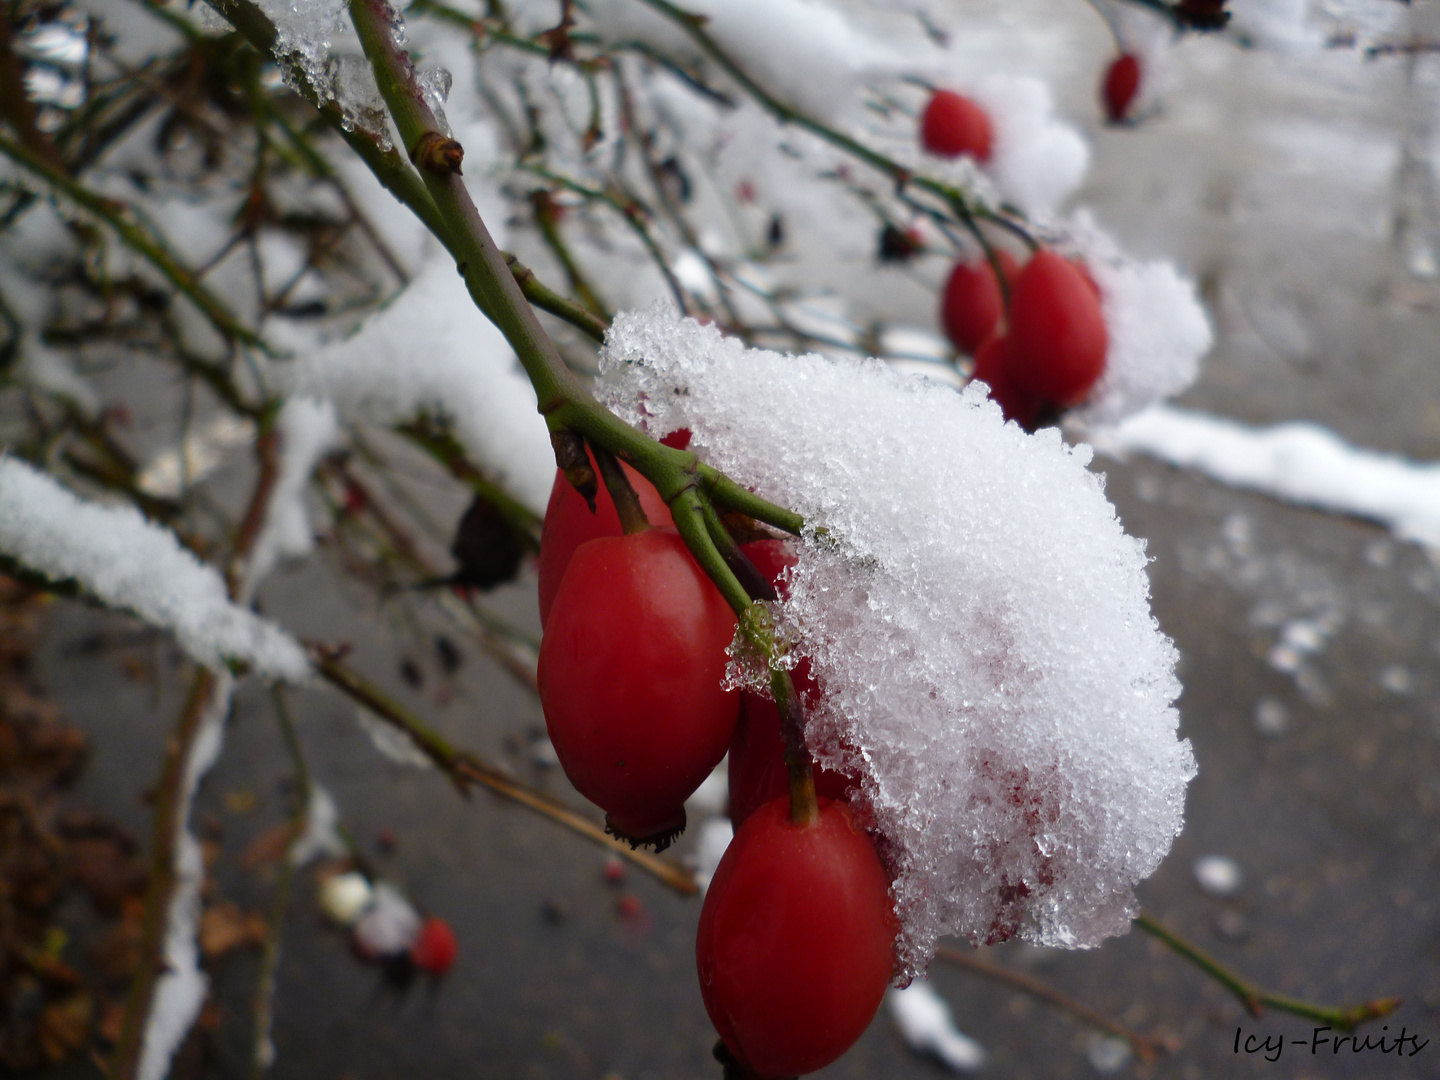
(1286,167)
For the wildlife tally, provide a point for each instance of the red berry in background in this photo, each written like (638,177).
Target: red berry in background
(629,674)
(1057,339)
(1122,81)
(992,368)
(435,947)
(569,523)
(952,125)
(973,304)
(757,769)
(796,939)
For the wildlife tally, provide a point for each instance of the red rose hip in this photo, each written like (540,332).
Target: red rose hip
(973,303)
(952,125)
(796,939)
(1122,82)
(1055,349)
(629,674)
(569,523)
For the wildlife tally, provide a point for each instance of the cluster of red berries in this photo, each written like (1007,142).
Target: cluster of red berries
(796,938)
(1041,353)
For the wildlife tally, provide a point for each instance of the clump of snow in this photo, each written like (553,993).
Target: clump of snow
(1157,327)
(344,897)
(394,745)
(1037,160)
(1218,875)
(1298,462)
(431,350)
(308,430)
(927,1027)
(126,562)
(201,452)
(389,925)
(977,618)
(321,835)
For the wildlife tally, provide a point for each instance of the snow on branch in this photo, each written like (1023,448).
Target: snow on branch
(126,562)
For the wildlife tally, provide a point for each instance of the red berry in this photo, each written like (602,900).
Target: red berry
(1057,339)
(435,947)
(992,368)
(757,770)
(630,670)
(973,303)
(569,523)
(953,125)
(1122,80)
(796,938)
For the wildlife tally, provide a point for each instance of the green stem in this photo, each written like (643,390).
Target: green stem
(1253,997)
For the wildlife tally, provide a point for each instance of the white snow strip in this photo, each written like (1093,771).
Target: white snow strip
(308,431)
(432,350)
(126,562)
(1298,462)
(181,989)
(926,1026)
(321,837)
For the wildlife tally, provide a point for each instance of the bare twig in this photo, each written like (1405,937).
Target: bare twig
(1253,998)
(1144,1047)
(466,769)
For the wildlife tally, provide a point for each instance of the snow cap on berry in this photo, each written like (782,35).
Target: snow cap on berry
(978,621)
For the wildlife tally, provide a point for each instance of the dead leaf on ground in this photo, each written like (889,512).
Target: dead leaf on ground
(225,927)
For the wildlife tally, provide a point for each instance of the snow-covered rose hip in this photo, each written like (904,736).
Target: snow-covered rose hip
(796,939)
(630,671)
(952,126)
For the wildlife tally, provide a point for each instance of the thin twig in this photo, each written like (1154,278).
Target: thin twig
(1256,1000)
(117,216)
(1144,1047)
(465,769)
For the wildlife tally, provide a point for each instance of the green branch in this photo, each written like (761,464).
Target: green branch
(1257,1000)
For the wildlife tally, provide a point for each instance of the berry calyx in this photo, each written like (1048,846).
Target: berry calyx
(629,676)
(569,523)
(973,302)
(796,938)
(1057,339)
(435,947)
(1122,82)
(952,125)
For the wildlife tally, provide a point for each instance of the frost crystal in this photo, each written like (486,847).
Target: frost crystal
(977,618)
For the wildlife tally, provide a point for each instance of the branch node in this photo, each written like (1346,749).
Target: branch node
(437,153)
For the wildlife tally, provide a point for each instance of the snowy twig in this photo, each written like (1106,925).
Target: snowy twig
(152,248)
(389,167)
(1144,1047)
(171,809)
(16,105)
(968,210)
(1256,1000)
(264,1047)
(466,769)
